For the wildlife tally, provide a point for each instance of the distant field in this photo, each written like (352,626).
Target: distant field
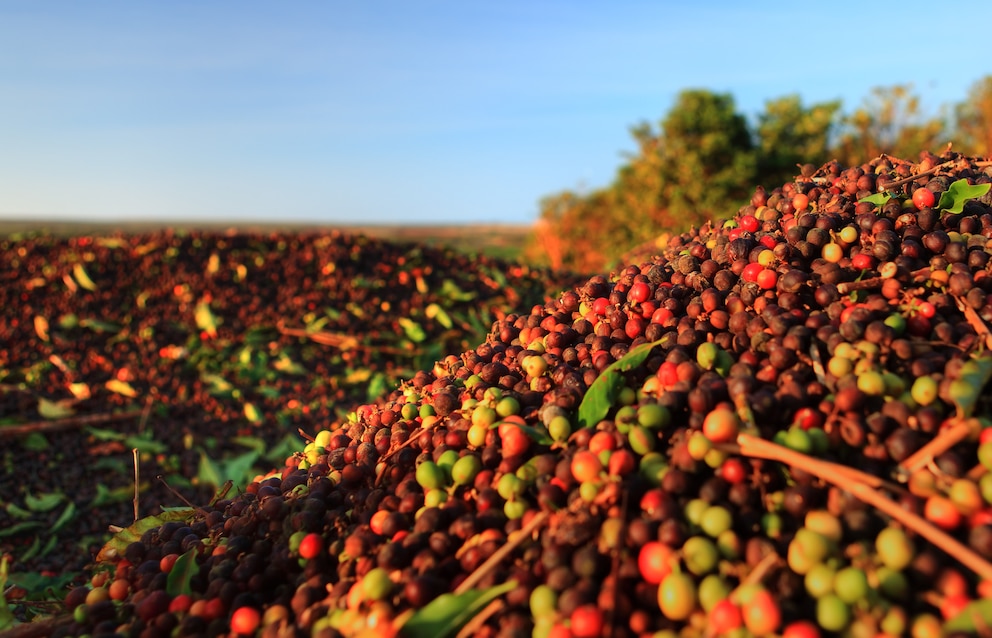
(496,240)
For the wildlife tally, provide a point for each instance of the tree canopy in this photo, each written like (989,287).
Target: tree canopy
(704,155)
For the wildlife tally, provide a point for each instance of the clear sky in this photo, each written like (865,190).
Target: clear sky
(406,111)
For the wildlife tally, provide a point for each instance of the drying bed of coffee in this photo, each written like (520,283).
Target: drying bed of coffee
(777,426)
(207,352)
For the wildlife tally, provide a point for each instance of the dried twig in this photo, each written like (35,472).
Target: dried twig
(335,339)
(847,479)
(756,575)
(501,553)
(134,456)
(341,341)
(68,423)
(38,628)
(473,626)
(946,438)
(912,178)
(199,510)
(974,320)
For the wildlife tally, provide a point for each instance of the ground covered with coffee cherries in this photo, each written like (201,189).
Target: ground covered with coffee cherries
(779,426)
(206,353)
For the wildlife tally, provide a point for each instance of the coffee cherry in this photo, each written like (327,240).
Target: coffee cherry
(894,548)
(311,546)
(677,596)
(245,620)
(923,198)
(761,613)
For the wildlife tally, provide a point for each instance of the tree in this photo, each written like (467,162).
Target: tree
(974,120)
(707,158)
(702,159)
(790,134)
(889,121)
(572,232)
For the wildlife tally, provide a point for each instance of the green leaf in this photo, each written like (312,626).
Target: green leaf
(236,470)
(537,434)
(447,613)
(67,515)
(53,409)
(111,242)
(603,392)
(17,511)
(38,550)
(451,291)
(205,319)
(209,471)
(103,434)
(182,573)
(252,413)
(254,443)
(35,442)
(218,384)
(106,496)
(122,388)
(953,199)
(99,326)
(967,388)
(879,199)
(284,364)
(82,278)
(43,503)
(414,331)
(143,443)
(42,587)
(975,615)
(20,528)
(33,549)
(434,311)
(7,619)
(378,386)
(118,543)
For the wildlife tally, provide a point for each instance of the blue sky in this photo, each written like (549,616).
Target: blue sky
(414,112)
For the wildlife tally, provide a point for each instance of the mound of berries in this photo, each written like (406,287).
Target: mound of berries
(779,426)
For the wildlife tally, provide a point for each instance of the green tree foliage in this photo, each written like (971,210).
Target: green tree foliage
(974,120)
(889,121)
(790,134)
(703,160)
(702,157)
(707,157)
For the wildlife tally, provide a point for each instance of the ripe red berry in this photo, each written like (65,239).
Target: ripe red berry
(639,292)
(587,621)
(862,261)
(600,305)
(733,471)
(767,279)
(750,272)
(926,309)
(725,617)
(661,315)
(311,546)
(245,620)
(749,223)
(634,327)
(923,198)
(655,561)
(668,374)
(721,425)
